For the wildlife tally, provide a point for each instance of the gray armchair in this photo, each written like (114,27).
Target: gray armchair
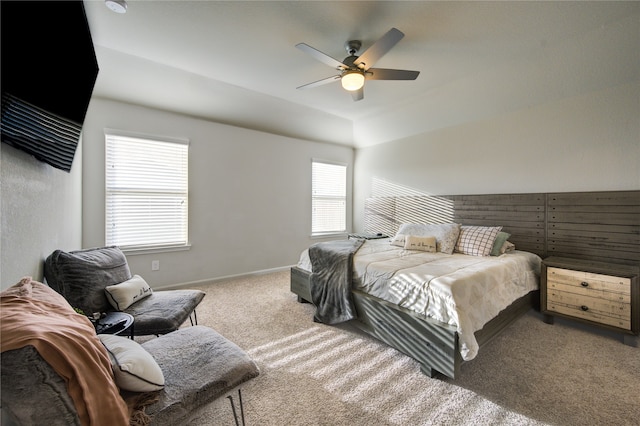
(53,367)
(81,277)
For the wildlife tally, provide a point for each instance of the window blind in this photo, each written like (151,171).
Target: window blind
(146,193)
(329,198)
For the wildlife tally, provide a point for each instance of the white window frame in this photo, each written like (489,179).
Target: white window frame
(336,196)
(147,197)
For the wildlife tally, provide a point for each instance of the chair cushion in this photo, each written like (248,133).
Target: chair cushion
(164,311)
(81,276)
(199,365)
(28,382)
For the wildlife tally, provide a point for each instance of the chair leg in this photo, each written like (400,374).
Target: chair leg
(233,408)
(195,317)
(241,406)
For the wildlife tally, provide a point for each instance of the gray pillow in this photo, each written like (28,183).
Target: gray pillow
(81,276)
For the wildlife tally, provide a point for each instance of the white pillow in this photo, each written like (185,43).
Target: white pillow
(446,233)
(125,294)
(427,244)
(477,240)
(134,368)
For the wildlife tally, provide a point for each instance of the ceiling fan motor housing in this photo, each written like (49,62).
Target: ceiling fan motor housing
(353,46)
(349,61)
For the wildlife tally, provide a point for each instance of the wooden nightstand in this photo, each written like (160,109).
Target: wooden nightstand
(597,293)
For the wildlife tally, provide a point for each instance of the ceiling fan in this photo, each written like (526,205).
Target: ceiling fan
(354,70)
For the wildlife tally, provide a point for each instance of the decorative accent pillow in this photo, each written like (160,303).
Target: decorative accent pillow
(134,368)
(427,244)
(446,234)
(497,244)
(398,240)
(477,240)
(125,294)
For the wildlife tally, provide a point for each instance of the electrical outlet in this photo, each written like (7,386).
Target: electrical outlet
(155,265)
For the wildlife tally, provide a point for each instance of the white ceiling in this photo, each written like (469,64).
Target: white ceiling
(235,62)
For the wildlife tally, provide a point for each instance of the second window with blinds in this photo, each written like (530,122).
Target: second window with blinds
(147,192)
(328,198)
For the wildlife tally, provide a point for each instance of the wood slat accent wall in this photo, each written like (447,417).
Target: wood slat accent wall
(521,215)
(602,226)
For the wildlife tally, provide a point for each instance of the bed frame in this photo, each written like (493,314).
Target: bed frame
(432,343)
(584,225)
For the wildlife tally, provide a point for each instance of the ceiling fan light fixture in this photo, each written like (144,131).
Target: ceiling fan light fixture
(352,80)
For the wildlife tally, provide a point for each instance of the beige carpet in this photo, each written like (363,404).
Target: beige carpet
(313,374)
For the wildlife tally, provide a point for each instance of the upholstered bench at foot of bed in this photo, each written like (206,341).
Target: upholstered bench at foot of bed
(199,366)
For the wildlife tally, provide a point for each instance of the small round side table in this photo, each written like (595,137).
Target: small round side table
(115,323)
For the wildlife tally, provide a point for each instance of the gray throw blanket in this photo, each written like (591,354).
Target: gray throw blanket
(330,281)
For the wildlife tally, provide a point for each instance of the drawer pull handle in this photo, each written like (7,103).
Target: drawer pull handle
(584,308)
(584,284)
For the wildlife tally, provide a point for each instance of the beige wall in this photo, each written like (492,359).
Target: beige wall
(250,191)
(585,143)
(249,200)
(40,208)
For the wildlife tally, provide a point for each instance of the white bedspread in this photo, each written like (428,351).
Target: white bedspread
(460,290)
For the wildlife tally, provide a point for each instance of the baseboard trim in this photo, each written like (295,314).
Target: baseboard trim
(226,277)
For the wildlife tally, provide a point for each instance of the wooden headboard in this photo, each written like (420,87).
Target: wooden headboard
(602,226)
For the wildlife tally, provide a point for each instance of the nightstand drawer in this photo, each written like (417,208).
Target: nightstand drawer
(612,296)
(590,308)
(589,281)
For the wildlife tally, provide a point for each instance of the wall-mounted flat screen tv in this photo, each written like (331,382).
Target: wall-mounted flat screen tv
(49,68)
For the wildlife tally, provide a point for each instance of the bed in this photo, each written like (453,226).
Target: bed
(436,344)
(583,225)
(434,306)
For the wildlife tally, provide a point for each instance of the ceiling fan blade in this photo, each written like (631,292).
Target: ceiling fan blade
(388,74)
(320,82)
(379,48)
(322,57)
(358,95)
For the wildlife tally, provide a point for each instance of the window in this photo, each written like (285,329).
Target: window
(146,192)
(328,198)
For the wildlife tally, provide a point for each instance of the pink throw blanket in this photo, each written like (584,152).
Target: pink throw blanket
(34,314)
